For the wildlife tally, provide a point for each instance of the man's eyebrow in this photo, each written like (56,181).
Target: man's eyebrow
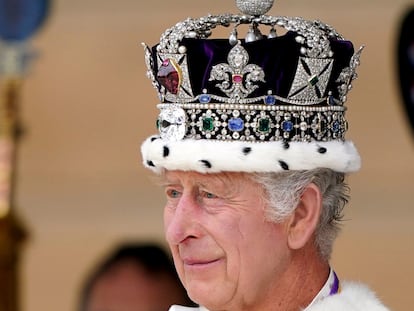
(215,182)
(167,183)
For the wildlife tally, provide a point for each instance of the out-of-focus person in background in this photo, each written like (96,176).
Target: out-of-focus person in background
(252,155)
(133,277)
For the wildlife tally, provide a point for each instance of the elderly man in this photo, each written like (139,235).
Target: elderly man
(252,156)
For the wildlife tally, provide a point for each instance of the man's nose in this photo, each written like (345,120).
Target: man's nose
(183,222)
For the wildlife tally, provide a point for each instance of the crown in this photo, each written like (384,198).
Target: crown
(265,102)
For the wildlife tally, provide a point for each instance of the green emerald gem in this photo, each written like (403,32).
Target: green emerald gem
(313,80)
(264,125)
(208,124)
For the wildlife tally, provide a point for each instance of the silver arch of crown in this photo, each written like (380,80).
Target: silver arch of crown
(314,35)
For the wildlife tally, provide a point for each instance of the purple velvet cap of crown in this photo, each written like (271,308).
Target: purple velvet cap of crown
(278,57)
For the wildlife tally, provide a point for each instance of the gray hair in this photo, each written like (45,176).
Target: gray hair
(285,189)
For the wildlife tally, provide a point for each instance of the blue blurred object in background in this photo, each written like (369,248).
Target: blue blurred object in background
(19,19)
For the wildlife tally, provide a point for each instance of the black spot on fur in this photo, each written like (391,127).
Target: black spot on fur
(284,165)
(150,163)
(153,138)
(206,163)
(247,150)
(286,145)
(322,150)
(166,152)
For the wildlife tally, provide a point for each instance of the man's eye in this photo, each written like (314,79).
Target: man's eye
(172,193)
(209,195)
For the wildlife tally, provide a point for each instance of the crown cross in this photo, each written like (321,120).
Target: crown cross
(311,78)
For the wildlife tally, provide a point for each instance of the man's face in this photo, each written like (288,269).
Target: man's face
(226,254)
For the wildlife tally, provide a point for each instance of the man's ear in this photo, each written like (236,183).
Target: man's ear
(304,220)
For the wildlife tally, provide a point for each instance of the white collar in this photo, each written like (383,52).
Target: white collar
(325,290)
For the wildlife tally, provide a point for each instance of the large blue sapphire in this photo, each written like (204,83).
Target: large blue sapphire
(336,126)
(270,100)
(205,98)
(236,124)
(287,126)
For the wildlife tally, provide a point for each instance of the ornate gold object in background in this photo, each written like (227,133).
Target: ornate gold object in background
(12,232)
(19,20)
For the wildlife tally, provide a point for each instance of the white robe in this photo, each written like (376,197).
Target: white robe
(352,297)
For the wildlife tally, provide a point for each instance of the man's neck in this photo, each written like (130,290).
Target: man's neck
(299,285)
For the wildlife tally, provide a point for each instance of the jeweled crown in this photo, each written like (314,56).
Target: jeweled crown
(288,88)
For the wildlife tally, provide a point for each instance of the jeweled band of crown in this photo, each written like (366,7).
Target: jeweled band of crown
(253,123)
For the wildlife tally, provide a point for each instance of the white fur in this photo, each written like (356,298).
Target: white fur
(188,154)
(353,297)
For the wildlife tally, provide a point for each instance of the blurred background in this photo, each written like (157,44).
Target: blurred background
(86,106)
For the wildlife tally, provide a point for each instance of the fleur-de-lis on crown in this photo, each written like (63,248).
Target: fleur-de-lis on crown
(238,76)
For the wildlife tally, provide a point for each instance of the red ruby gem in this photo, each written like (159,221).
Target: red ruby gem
(168,77)
(237,78)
